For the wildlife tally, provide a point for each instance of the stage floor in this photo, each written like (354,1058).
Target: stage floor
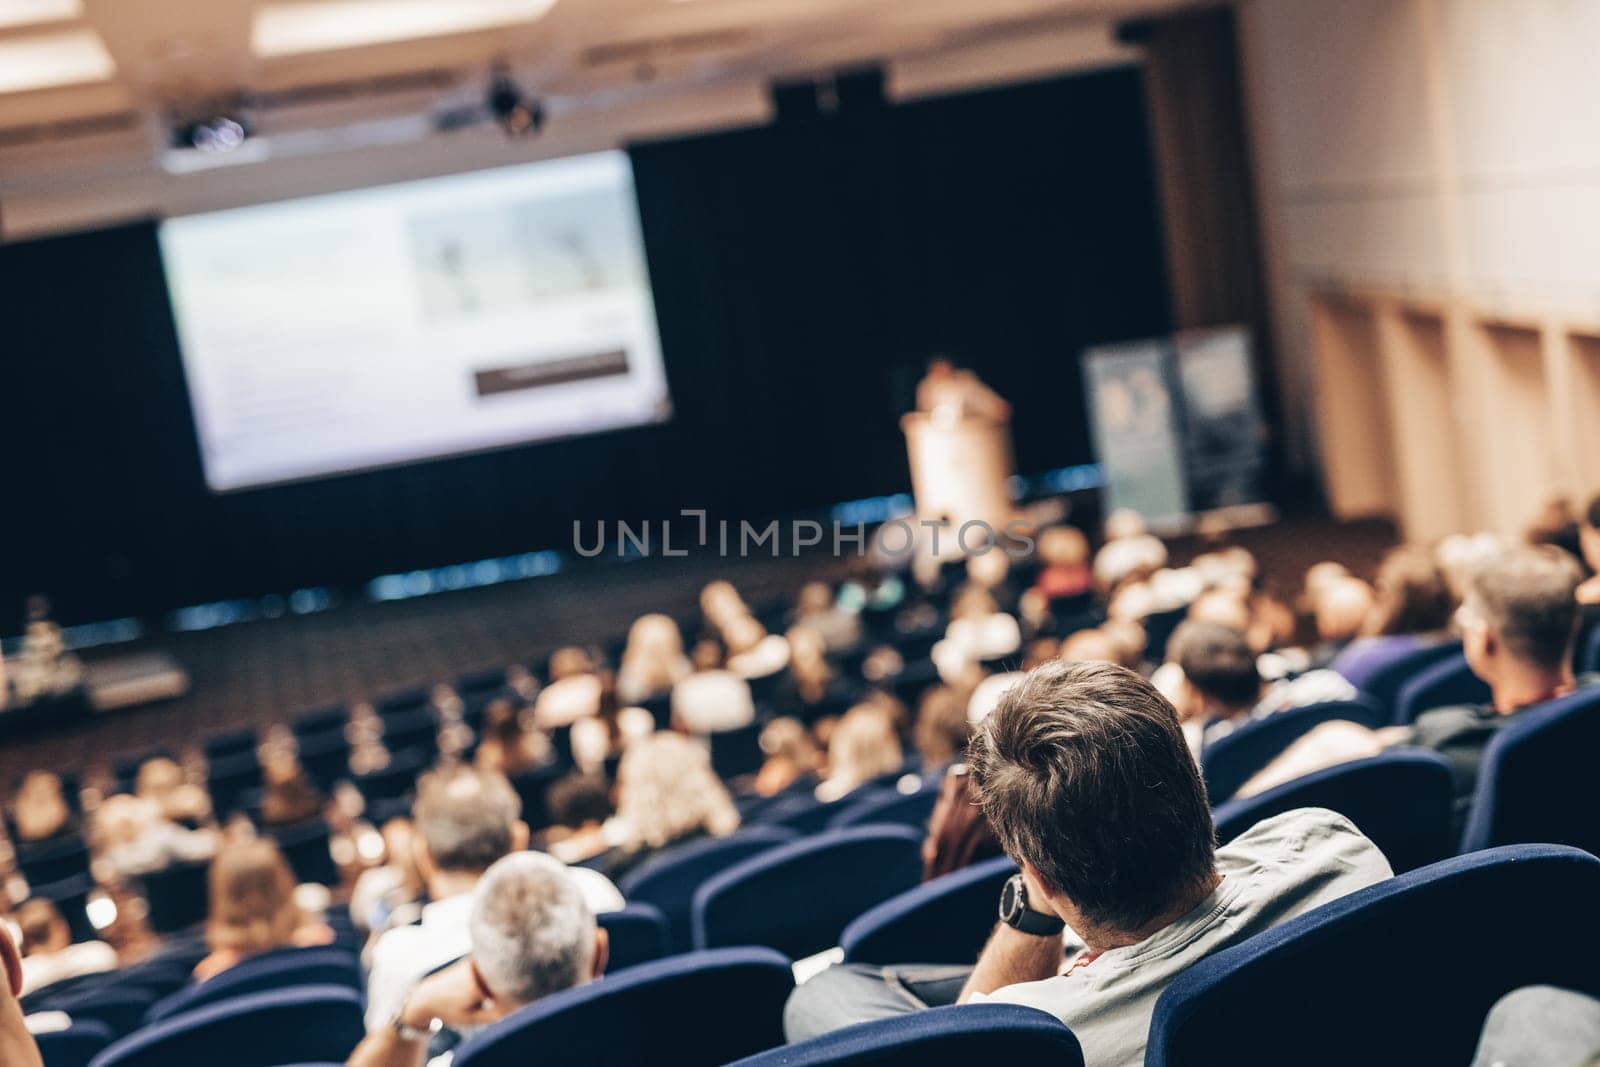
(258,673)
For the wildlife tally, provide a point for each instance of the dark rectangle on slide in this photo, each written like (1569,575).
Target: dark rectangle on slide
(550,372)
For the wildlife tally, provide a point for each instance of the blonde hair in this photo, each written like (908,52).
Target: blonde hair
(667,790)
(653,660)
(863,746)
(252,899)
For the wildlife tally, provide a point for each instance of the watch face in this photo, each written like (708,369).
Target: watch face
(1011,902)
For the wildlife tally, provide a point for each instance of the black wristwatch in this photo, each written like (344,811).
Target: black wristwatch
(1015,913)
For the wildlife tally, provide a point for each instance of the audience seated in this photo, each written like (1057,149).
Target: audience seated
(288,797)
(573,692)
(1413,609)
(135,838)
(1085,775)
(580,805)
(390,893)
(163,782)
(817,609)
(48,954)
(653,660)
(40,810)
(1220,684)
(253,908)
(531,933)
(667,795)
(791,755)
(506,746)
(1518,621)
(863,746)
(942,726)
(465,820)
(711,699)
(959,833)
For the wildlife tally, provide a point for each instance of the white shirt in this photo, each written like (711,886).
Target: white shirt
(710,702)
(48,968)
(407,954)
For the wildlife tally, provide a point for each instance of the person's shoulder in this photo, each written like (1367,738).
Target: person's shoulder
(599,892)
(1305,839)
(1438,725)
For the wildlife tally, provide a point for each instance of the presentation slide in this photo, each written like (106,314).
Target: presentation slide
(407,322)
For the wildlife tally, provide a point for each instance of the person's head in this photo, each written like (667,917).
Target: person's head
(1126,560)
(707,655)
(720,601)
(40,808)
(579,800)
(787,740)
(1520,617)
(653,658)
(1340,606)
(1090,646)
(465,819)
(1589,534)
(42,927)
(124,819)
(1221,608)
(1219,669)
(1063,546)
(532,932)
(1319,576)
(942,728)
(1083,772)
(666,790)
(808,662)
(814,598)
(252,899)
(157,777)
(569,663)
(1413,595)
(1124,522)
(959,834)
(863,746)
(288,796)
(1557,523)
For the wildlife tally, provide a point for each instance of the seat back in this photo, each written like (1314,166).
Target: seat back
(307,846)
(278,969)
(1233,760)
(636,934)
(736,752)
(1403,801)
(803,813)
(120,1009)
(75,1046)
(799,897)
(971,1033)
(890,807)
(1395,972)
(1385,682)
(945,920)
(53,861)
(703,1008)
(669,881)
(1446,683)
(302,1023)
(1589,654)
(178,896)
(1535,781)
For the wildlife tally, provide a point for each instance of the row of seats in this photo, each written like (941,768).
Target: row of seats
(1401,964)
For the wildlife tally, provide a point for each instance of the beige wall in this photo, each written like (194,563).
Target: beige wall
(1445,152)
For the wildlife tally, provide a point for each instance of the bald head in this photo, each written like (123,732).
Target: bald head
(1342,605)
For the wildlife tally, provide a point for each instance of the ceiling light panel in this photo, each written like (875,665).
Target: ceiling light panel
(287,29)
(48,60)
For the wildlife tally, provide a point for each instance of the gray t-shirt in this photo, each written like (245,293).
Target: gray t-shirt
(1281,867)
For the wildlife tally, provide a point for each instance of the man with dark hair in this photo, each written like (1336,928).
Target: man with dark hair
(1518,620)
(1084,773)
(1221,684)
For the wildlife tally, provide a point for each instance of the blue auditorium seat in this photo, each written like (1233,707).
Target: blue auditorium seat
(259,1030)
(121,1009)
(71,898)
(1232,760)
(890,807)
(1384,685)
(798,898)
(403,702)
(412,730)
(396,780)
(737,752)
(277,969)
(325,756)
(321,721)
(694,1010)
(1536,781)
(802,813)
(1404,801)
(1444,684)
(178,896)
(1589,654)
(1400,972)
(307,846)
(967,1034)
(53,861)
(231,779)
(945,920)
(75,1046)
(669,881)
(231,745)
(636,934)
